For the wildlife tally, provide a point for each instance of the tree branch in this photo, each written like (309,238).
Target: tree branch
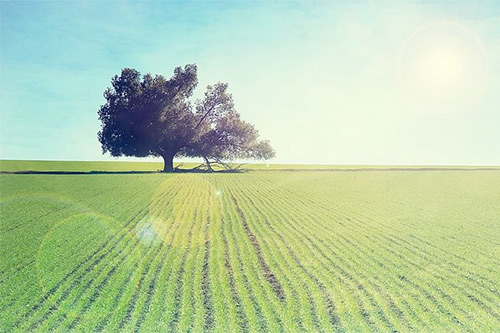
(203,118)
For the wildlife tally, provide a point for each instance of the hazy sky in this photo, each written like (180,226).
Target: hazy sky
(326,82)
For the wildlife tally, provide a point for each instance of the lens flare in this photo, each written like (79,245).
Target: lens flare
(68,253)
(443,67)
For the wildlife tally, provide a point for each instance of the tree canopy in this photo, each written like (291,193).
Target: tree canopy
(146,115)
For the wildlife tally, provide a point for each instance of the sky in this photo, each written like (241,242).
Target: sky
(363,82)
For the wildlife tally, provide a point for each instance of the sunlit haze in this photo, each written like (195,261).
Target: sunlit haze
(444,66)
(330,83)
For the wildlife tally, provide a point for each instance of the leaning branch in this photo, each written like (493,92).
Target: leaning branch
(204,116)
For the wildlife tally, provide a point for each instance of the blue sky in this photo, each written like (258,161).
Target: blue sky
(325,82)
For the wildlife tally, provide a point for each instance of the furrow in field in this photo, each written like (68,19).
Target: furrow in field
(127,229)
(452,286)
(339,248)
(358,247)
(375,265)
(179,282)
(242,318)
(26,223)
(253,309)
(478,279)
(159,234)
(206,289)
(92,260)
(445,296)
(398,285)
(151,287)
(152,314)
(446,252)
(425,256)
(406,286)
(311,246)
(25,256)
(365,300)
(139,292)
(192,274)
(308,299)
(102,323)
(330,305)
(246,276)
(291,230)
(225,306)
(375,304)
(268,274)
(93,271)
(273,309)
(292,319)
(153,296)
(459,270)
(278,205)
(191,310)
(164,305)
(98,290)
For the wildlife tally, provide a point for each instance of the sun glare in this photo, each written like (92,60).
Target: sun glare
(443,66)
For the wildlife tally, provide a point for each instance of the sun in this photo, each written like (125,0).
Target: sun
(443,66)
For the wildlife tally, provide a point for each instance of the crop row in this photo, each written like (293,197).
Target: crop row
(270,251)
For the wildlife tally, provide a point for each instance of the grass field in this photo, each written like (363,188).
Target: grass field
(256,251)
(71,166)
(9,166)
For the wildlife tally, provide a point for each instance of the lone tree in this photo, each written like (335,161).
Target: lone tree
(147,115)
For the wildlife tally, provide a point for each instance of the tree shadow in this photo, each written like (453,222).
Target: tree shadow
(94,172)
(209,171)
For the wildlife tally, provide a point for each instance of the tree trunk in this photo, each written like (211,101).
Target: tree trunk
(168,158)
(209,167)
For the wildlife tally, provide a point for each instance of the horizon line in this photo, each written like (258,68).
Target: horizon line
(260,162)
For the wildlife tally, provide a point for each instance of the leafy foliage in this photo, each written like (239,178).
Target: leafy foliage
(154,116)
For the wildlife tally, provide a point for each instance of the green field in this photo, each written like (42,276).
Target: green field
(71,166)
(9,166)
(274,251)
